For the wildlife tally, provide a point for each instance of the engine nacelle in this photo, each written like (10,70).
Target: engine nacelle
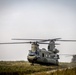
(56,51)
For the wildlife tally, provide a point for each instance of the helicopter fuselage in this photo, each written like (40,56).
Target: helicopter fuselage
(43,57)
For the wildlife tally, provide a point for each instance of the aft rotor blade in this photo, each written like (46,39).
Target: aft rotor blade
(15,42)
(48,43)
(67,40)
(50,39)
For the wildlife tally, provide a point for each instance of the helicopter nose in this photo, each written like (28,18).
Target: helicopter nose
(31,58)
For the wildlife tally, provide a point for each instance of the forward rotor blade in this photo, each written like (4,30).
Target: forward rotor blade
(25,43)
(27,39)
(15,42)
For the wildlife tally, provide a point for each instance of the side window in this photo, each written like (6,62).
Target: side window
(46,55)
(42,54)
(49,56)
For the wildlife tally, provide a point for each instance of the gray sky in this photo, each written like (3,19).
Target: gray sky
(36,19)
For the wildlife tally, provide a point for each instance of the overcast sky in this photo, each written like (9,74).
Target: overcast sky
(43,19)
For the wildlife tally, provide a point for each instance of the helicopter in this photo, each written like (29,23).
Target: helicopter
(73,57)
(42,56)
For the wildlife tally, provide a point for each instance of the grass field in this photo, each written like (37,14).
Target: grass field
(24,68)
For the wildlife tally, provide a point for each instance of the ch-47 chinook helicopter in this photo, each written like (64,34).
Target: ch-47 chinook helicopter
(42,56)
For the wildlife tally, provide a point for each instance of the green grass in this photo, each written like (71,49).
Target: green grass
(24,68)
(20,67)
(63,72)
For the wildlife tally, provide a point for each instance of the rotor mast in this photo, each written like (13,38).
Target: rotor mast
(51,45)
(34,46)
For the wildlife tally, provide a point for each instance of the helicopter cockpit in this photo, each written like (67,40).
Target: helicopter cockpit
(34,48)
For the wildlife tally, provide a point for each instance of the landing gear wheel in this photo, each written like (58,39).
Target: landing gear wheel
(57,63)
(32,64)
